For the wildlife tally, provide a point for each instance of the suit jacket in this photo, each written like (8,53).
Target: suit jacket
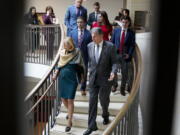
(86,40)
(91,18)
(129,41)
(99,73)
(71,17)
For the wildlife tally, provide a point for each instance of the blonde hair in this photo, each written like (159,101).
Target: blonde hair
(69,41)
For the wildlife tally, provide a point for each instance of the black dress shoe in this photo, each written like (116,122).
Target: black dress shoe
(67,129)
(122,91)
(106,121)
(114,89)
(89,131)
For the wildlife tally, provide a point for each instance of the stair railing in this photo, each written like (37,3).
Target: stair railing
(42,102)
(126,121)
(41,43)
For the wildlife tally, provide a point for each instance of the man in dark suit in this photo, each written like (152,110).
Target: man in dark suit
(94,15)
(72,13)
(102,67)
(124,40)
(82,37)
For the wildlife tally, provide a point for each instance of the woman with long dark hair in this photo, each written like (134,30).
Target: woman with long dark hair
(49,32)
(31,16)
(32,33)
(104,24)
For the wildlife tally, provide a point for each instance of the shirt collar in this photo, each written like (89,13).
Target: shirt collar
(100,44)
(80,30)
(125,29)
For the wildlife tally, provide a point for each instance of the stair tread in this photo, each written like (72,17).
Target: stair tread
(115,106)
(81,120)
(59,130)
(114,97)
(77,116)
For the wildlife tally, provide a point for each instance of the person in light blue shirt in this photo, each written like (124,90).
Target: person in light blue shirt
(72,13)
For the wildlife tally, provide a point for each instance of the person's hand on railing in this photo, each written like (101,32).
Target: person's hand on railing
(55,75)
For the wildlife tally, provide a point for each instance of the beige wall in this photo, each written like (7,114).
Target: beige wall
(139,5)
(111,6)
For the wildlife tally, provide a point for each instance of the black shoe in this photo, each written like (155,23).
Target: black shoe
(114,89)
(106,121)
(67,129)
(122,91)
(89,131)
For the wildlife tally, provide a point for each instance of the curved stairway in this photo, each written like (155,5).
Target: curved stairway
(80,117)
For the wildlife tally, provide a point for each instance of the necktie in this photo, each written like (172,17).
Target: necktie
(78,12)
(97,53)
(80,38)
(122,42)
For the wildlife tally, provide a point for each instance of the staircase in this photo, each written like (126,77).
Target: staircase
(80,117)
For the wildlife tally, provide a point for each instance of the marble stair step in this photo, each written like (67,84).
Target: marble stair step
(114,97)
(81,120)
(60,130)
(82,108)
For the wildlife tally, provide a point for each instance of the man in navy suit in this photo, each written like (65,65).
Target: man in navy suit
(94,15)
(72,13)
(82,37)
(124,40)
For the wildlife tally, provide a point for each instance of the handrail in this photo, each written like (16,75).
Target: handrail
(41,43)
(42,102)
(131,98)
(50,69)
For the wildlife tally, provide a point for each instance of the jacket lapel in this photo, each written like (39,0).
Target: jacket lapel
(127,35)
(119,38)
(84,36)
(76,37)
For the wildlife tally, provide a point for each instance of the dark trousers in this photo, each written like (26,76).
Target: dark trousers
(104,97)
(50,45)
(83,84)
(127,74)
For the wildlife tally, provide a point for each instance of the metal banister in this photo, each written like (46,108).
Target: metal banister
(42,102)
(127,118)
(41,43)
(51,67)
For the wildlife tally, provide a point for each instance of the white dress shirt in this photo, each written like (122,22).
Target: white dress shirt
(79,32)
(100,48)
(122,32)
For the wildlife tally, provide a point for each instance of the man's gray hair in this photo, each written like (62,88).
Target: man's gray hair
(97,30)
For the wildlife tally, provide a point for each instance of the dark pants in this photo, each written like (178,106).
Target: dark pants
(127,74)
(50,45)
(104,97)
(32,39)
(83,85)
(126,68)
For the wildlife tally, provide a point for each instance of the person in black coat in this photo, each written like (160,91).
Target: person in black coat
(31,16)
(94,15)
(32,33)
